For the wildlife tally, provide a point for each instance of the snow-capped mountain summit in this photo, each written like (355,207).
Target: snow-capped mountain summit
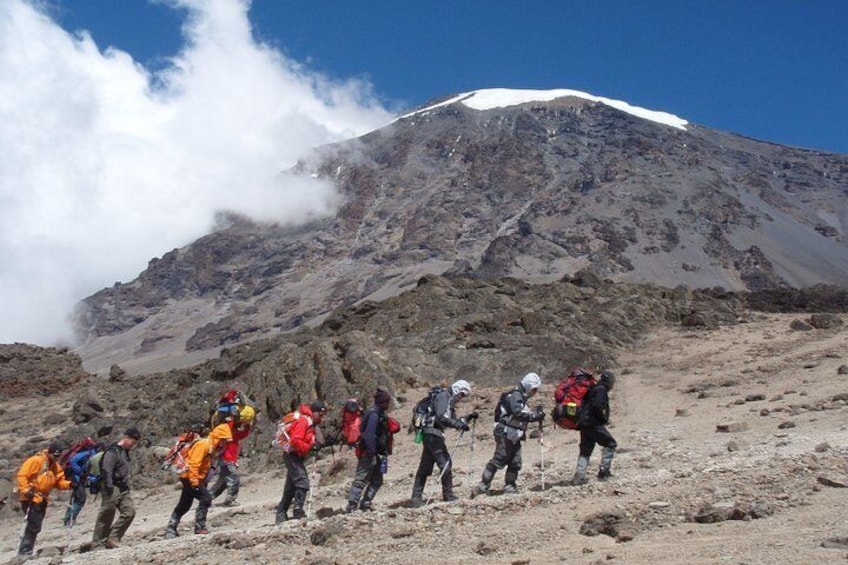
(489,99)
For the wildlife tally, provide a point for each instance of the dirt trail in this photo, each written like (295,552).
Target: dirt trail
(773,389)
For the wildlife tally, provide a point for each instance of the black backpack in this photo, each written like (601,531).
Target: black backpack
(423,413)
(497,415)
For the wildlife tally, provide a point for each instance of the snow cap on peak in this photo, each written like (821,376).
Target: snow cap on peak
(501,97)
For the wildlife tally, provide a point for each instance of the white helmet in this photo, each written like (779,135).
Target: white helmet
(461,387)
(531,381)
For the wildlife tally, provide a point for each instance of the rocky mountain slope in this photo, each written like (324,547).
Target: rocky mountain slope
(487,332)
(732,449)
(533,190)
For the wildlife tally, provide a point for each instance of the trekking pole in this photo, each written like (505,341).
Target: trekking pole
(311,487)
(449,462)
(70,522)
(471,452)
(26,521)
(542,451)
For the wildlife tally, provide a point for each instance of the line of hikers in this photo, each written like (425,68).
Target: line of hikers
(582,403)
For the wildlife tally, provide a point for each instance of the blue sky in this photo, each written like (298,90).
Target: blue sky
(775,70)
(128,125)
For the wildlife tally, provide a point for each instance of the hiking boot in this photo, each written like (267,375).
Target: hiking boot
(580,472)
(579,480)
(510,489)
(415,503)
(351,508)
(229,503)
(112,544)
(449,498)
(171,530)
(280,519)
(365,506)
(604,474)
(201,531)
(482,488)
(298,514)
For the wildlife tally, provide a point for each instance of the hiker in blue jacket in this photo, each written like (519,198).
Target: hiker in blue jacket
(372,450)
(78,467)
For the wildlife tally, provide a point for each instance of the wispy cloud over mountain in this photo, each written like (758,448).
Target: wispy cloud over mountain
(105,164)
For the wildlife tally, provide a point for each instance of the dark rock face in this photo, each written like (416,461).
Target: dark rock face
(535,192)
(30,371)
(488,332)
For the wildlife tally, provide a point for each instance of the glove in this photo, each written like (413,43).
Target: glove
(464,425)
(109,491)
(29,494)
(471,417)
(540,414)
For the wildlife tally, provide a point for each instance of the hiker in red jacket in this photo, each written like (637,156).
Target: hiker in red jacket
(301,441)
(228,476)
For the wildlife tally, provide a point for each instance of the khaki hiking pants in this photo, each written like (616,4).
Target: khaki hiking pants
(104,529)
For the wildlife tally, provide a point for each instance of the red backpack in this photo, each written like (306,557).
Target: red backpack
(569,397)
(351,422)
(393,427)
(65,458)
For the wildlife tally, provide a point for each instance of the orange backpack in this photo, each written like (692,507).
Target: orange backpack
(177,458)
(282,438)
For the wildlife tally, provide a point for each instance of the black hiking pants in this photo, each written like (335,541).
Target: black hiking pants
(592,435)
(507,454)
(187,498)
(435,452)
(368,478)
(295,489)
(34,518)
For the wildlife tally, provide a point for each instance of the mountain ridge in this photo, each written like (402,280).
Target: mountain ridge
(535,191)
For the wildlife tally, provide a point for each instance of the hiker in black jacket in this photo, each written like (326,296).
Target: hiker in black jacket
(372,450)
(435,451)
(115,492)
(511,418)
(592,421)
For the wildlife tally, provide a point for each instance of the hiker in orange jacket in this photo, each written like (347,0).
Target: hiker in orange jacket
(301,442)
(199,461)
(228,476)
(38,475)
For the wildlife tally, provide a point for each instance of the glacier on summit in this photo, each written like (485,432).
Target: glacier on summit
(490,98)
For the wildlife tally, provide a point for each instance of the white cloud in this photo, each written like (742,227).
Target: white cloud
(101,171)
